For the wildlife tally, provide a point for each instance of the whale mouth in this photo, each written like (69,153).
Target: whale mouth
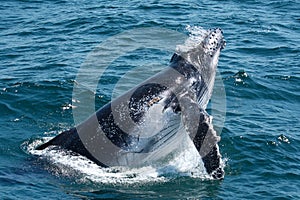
(214,41)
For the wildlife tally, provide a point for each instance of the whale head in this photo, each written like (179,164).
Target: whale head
(205,54)
(208,53)
(214,42)
(202,50)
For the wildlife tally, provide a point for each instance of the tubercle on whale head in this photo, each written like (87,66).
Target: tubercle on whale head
(202,48)
(214,41)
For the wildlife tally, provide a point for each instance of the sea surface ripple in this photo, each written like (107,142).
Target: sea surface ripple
(44,43)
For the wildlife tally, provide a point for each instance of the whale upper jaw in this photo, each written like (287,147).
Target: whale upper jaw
(214,42)
(205,54)
(204,57)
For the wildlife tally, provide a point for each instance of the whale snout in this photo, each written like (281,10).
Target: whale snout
(214,41)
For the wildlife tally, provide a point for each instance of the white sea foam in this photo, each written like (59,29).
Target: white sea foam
(65,163)
(196,36)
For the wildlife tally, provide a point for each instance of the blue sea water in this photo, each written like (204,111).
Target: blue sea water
(44,43)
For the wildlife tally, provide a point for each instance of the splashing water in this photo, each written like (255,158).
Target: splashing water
(186,163)
(196,36)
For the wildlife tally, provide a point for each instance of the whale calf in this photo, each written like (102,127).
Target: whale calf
(147,123)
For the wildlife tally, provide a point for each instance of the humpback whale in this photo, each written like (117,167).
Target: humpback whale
(147,123)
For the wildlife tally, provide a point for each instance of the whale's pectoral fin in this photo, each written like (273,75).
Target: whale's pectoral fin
(199,126)
(206,142)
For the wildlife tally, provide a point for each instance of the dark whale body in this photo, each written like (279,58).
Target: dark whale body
(158,114)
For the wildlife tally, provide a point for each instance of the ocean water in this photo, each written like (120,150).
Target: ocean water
(43,45)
